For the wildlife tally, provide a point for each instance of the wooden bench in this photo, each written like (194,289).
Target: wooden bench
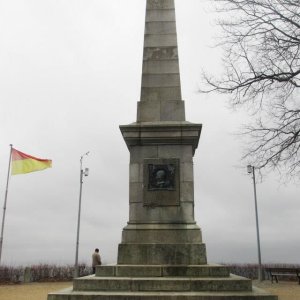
(274,272)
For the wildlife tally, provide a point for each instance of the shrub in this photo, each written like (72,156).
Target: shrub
(41,272)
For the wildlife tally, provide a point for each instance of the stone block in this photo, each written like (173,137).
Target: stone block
(138,271)
(161,134)
(172,111)
(196,271)
(213,271)
(187,172)
(187,211)
(101,284)
(161,67)
(160,80)
(162,254)
(163,15)
(139,153)
(160,53)
(153,111)
(160,93)
(235,283)
(136,192)
(162,236)
(255,294)
(170,214)
(148,111)
(135,174)
(161,4)
(187,191)
(160,28)
(163,40)
(183,152)
(105,271)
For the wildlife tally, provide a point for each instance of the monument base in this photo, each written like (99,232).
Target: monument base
(156,254)
(163,282)
(161,244)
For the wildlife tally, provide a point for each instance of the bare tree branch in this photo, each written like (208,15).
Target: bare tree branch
(261,42)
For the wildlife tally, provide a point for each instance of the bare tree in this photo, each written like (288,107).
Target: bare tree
(261,41)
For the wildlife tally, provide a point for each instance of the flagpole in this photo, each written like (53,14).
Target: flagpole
(5,200)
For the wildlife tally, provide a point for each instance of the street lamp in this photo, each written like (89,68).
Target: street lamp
(251,170)
(84,172)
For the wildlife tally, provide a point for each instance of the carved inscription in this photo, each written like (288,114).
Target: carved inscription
(160,53)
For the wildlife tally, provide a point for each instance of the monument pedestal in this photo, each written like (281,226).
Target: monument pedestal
(162,282)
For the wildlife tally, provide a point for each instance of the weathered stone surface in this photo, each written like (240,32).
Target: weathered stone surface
(160,53)
(183,213)
(165,15)
(163,271)
(161,133)
(162,254)
(135,174)
(148,111)
(161,67)
(155,111)
(160,80)
(158,40)
(160,93)
(183,152)
(161,4)
(139,153)
(172,111)
(187,192)
(160,28)
(256,294)
(162,284)
(172,235)
(135,192)
(187,173)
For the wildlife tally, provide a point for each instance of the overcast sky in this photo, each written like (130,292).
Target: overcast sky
(70,74)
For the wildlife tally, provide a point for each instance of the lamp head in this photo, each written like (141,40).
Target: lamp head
(249,169)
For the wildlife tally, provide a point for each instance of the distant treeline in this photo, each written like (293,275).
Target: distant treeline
(47,272)
(251,270)
(41,273)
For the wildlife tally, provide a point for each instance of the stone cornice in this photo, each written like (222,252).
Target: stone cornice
(161,133)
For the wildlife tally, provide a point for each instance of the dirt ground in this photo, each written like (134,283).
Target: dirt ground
(31,291)
(286,290)
(39,291)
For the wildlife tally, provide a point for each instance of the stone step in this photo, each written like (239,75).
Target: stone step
(211,270)
(171,284)
(69,294)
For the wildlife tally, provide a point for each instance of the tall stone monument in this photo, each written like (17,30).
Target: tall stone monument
(161,255)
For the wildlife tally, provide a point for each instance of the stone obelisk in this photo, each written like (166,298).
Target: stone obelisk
(161,255)
(161,227)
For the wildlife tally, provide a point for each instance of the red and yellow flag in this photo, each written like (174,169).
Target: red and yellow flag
(23,163)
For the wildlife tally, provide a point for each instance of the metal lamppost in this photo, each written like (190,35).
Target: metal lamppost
(251,170)
(84,172)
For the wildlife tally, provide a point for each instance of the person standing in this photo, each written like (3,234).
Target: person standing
(96,260)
